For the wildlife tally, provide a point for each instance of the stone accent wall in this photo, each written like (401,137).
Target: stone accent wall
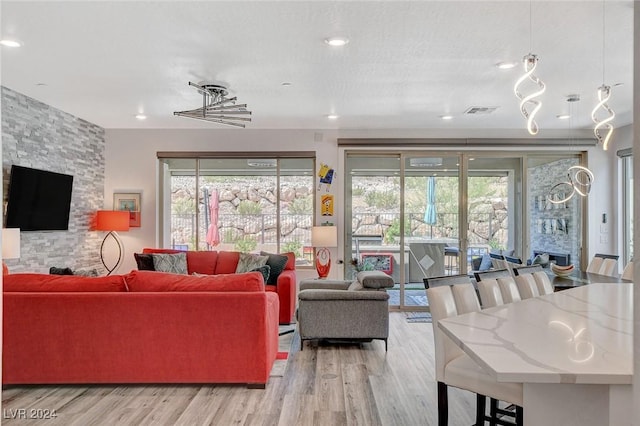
(553,227)
(39,136)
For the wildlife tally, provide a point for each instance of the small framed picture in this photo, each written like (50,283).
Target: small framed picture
(128,201)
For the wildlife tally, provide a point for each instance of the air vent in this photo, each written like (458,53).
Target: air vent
(480,110)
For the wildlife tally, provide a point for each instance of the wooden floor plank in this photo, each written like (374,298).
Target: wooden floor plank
(337,384)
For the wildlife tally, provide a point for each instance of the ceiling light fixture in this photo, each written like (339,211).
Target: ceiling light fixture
(530,62)
(563,116)
(332,117)
(336,41)
(446,117)
(141,116)
(216,107)
(10,43)
(603,121)
(505,65)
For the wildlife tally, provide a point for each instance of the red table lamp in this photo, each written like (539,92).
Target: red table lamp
(112,221)
(323,237)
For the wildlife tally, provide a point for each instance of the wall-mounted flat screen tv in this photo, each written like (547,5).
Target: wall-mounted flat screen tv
(38,200)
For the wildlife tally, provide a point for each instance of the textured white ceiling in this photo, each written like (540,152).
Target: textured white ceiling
(407,63)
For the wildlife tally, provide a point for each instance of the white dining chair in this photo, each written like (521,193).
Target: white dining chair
(509,290)
(457,369)
(527,286)
(627,274)
(490,294)
(608,267)
(595,264)
(543,282)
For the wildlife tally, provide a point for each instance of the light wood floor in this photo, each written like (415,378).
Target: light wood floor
(322,385)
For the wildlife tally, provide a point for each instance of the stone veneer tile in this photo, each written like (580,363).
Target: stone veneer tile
(37,135)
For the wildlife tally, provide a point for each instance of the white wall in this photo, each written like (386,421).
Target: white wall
(131,163)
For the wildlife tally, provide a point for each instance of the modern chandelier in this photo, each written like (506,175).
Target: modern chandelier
(529,100)
(529,105)
(217,108)
(603,121)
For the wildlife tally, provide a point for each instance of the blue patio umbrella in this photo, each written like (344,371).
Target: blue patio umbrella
(430,217)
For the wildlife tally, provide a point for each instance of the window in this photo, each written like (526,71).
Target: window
(238,203)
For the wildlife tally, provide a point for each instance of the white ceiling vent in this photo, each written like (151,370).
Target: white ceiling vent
(478,110)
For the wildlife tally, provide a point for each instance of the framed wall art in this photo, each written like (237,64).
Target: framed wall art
(128,201)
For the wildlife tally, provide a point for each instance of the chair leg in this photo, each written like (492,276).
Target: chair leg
(519,416)
(443,405)
(493,412)
(481,402)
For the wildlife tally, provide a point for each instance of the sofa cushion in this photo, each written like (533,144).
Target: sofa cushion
(227,262)
(277,263)
(160,250)
(202,262)
(153,281)
(375,279)
(144,261)
(265,270)
(249,262)
(62,283)
(175,263)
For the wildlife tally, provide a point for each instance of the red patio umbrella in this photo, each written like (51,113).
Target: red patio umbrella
(213,236)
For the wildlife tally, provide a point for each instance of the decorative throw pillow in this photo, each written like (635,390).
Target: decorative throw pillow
(374,279)
(60,271)
(276,262)
(86,272)
(541,259)
(174,263)
(144,261)
(485,264)
(264,270)
(250,261)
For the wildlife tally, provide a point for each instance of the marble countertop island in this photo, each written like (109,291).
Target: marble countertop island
(581,338)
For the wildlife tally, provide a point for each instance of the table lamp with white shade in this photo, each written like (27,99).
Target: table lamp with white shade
(10,246)
(324,237)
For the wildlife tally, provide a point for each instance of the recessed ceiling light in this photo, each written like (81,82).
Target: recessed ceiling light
(336,41)
(41,84)
(10,43)
(286,84)
(563,116)
(332,117)
(141,116)
(505,65)
(446,117)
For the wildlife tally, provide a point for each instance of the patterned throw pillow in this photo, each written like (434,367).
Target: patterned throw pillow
(276,262)
(86,272)
(248,262)
(264,270)
(175,263)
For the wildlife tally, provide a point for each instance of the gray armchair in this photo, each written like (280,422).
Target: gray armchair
(355,311)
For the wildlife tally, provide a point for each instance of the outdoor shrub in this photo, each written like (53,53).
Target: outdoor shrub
(248,207)
(292,246)
(381,199)
(301,205)
(246,244)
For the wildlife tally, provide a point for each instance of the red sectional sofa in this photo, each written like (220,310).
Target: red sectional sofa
(225,262)
(143,327)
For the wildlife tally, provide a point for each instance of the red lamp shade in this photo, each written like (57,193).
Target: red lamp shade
(112,220)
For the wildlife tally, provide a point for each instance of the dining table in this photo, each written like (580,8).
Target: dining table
(572,350)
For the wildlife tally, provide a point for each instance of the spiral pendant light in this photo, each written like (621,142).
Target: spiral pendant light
(602,114)
(529,105)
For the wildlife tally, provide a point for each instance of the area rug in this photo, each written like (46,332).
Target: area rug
(285,340)
(413,317)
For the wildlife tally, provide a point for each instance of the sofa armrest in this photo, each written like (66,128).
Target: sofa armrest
(324,284)
(286,289)
(316,294)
